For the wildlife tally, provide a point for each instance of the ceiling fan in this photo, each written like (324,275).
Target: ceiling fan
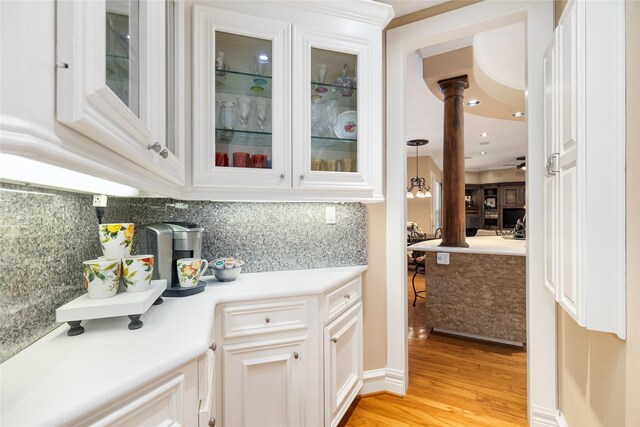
(522,163)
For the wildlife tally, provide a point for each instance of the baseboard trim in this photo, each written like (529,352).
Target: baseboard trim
(478,337)
(544,417)
(383,380)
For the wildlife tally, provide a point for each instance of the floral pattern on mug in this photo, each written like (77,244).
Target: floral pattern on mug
(116,240)
(101,278)
(129,277)
(190,270)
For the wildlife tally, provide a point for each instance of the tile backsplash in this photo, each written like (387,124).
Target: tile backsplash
(45,235)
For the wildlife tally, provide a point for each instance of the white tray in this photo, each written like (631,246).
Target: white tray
(132,304)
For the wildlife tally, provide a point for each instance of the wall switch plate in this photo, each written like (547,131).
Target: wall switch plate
(330,215)
(442,258)
(99,201)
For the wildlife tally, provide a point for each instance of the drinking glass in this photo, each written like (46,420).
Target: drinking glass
(244,108)
(261,110)
(316,116)
(321,74)
(330,117)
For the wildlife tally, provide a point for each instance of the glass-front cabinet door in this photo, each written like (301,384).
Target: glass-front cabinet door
(330,115)
(242,100)
(113,86)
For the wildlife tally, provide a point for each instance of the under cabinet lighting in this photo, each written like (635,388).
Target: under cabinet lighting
(23,170)
(472,102)
(483,152)
(518,114)
(484,134)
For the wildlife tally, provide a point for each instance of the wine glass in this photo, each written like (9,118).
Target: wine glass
(261,110)
(244,108)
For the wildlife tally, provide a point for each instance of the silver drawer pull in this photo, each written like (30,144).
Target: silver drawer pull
(212,422)
(296,355)
(334,340)
(213,347)
(267,319)
(164,153)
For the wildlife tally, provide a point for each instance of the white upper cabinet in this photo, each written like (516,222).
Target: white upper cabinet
(113,65)
(241,91)
(286,102)
(585,148)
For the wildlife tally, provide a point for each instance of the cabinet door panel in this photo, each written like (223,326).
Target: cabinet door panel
(242,113)
(568,235)
(265,383)
(342,363)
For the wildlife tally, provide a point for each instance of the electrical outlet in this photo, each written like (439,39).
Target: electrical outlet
(99,201)
(442,258)
(330,215)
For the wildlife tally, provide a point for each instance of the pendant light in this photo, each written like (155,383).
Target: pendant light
(418,182)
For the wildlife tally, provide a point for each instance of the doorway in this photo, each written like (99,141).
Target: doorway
(447,28)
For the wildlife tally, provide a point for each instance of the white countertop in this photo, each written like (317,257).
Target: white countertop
(60,378)
(494,245)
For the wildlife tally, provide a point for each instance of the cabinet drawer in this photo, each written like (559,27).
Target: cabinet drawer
(244,320)
(342,298)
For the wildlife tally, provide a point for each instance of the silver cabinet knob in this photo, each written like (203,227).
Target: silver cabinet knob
(347,296)
(281,177)
(267,319)
(155,147)
(296,355)
(212,422)
(334,340)
(213,347)
(301,177)
(164,153)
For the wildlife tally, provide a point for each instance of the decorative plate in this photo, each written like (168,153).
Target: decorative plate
(347,125)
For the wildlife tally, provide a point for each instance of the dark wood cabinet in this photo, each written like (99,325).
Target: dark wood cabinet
(487,204)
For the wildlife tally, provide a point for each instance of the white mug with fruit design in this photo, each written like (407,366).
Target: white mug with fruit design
(190,270)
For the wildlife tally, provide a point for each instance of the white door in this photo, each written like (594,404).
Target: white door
(569,147)
(342,363)
(264,383)
(550,179)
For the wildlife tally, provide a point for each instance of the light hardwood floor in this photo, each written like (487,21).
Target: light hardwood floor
(452,382)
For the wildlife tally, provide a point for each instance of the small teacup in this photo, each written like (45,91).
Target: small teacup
(190,270)
(137,272)
(101,277)
(116,240)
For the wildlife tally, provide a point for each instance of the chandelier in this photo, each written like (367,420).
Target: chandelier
(418,182)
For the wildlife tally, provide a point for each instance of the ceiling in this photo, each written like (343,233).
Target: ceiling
(404,7)
(498,54)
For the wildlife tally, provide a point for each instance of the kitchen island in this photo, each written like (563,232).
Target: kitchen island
(481,293)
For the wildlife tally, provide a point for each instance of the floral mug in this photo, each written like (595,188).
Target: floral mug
(101,277)
(190,270)
(137,272)
(116,240)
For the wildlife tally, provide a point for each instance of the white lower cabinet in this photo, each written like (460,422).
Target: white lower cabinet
(170,401)
(264,383)
(342,363)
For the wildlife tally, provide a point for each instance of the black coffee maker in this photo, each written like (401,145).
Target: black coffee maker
(169,242)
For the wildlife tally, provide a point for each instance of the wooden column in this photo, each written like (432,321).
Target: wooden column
(453,224)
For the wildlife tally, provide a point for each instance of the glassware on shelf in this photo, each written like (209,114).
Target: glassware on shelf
(241,159)
(330,117)
(316,116)
(321,75)
(222,159)
(346,81)
(261,111)
(220,65)
(244,109)
(228,112)
(347,165)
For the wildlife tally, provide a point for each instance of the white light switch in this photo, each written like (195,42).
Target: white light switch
(330,215)
(442,258)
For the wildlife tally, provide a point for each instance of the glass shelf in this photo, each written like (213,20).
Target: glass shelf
(334,144)
(240,83)
(243,137)
(331,85)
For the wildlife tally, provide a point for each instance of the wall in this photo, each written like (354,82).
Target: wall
(495,176)
(419,210)
(599,380)
(45,235)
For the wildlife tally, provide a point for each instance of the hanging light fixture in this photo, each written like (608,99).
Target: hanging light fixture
(418,182)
